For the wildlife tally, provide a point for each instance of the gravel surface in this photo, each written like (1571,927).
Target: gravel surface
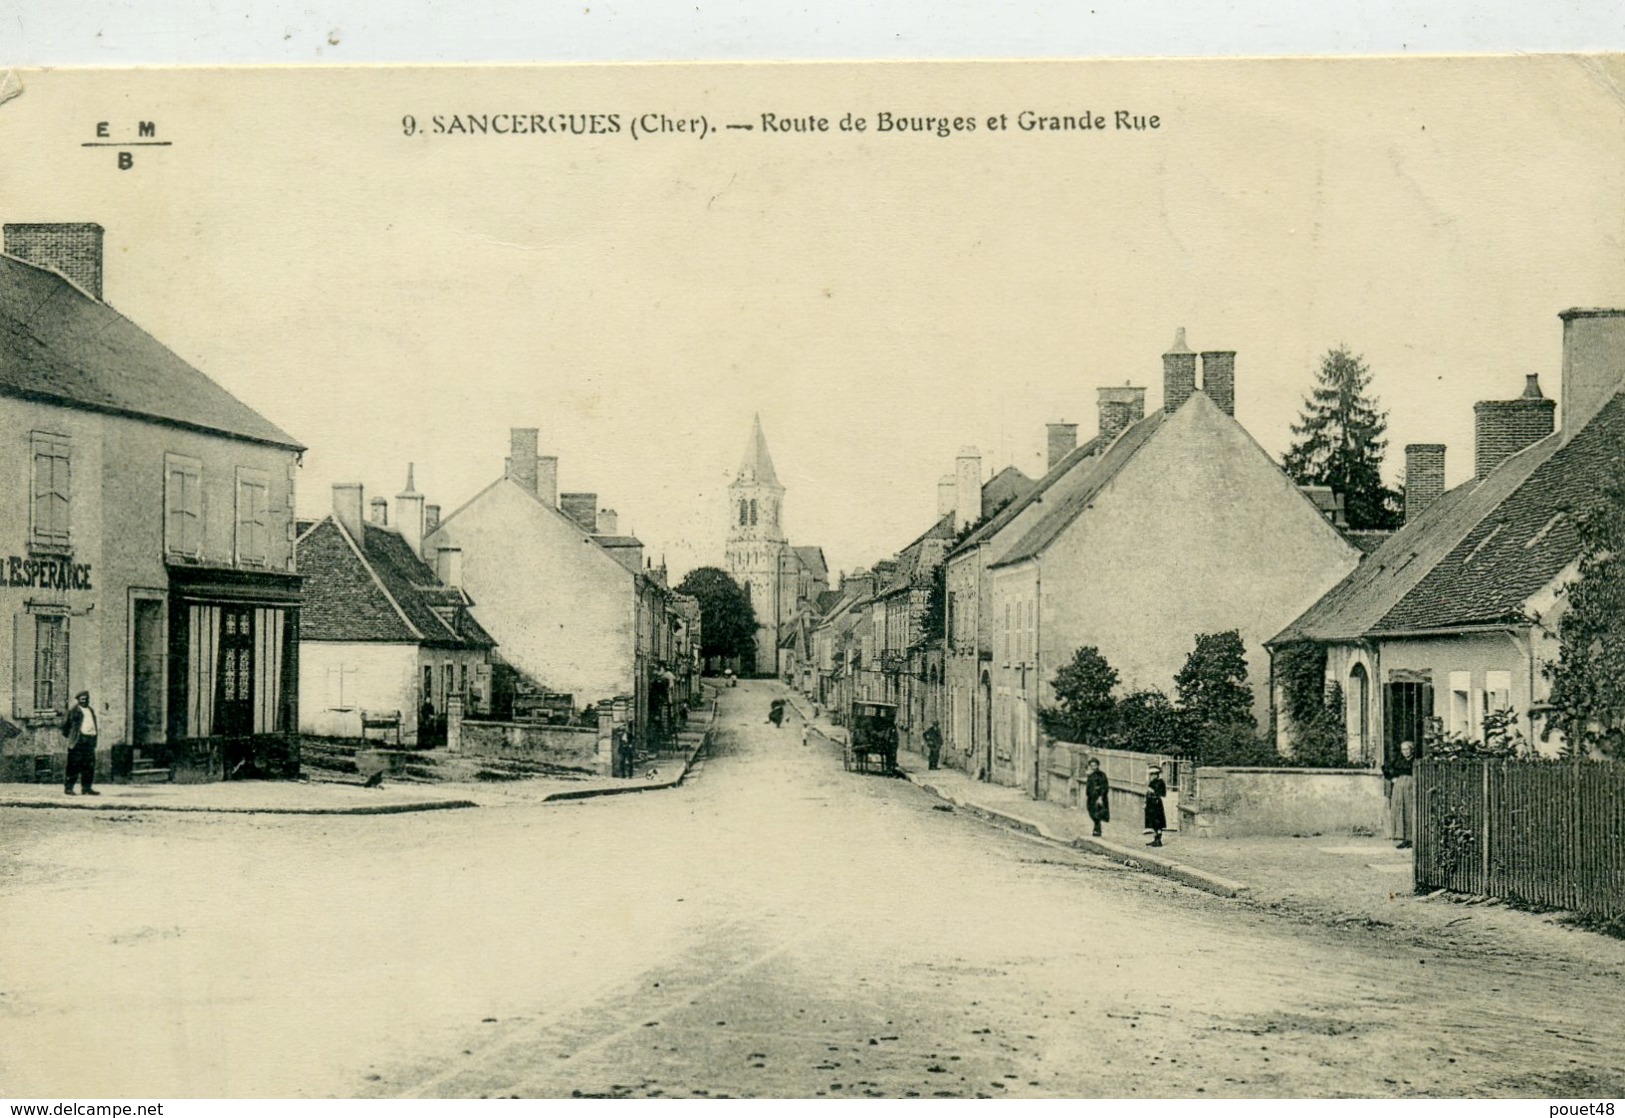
(774,927)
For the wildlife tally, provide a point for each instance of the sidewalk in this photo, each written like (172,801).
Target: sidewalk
(1335,880)
(324,797)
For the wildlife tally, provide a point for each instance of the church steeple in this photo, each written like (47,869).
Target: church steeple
(757,465)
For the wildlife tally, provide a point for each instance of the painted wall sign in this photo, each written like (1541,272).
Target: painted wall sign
(46,574)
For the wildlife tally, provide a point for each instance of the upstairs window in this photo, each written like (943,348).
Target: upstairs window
(183,506)
(253,518)
(49,503)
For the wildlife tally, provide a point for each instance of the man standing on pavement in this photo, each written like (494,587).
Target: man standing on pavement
(1097,795)
(79,727)
(933,745)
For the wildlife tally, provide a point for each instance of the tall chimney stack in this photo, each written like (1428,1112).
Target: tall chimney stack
(431,518)
(1501,428)
(1063,440)
(347,506)
(409,514)
(1424,477)
(1178,374)
(1120,408)
(378,510)
(609,523)
(449,565)
(522,462)
(967,487)
(947,495)
(1593,363)
(547,480)
(581,508)
(1219,378)
(73,250)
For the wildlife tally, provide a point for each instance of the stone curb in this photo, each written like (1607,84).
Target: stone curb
(367,809)
(646,786)
(1133,859)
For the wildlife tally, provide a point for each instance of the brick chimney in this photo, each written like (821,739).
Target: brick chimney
(448,567)
(378,511)
(1178,374)
(1063,440)
(1424,477)
(1120,408)
(347,506)
(967,487)
(73,250)
(609,523)
(522,463)
(1593,363)
(947,495)
(1501,428)
(1219,378)
(409,514)
(581,508)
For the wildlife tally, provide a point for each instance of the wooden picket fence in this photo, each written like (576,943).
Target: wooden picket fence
(1550,834)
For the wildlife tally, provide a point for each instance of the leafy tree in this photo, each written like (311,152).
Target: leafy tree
(1340,442)
(1085,711)
(1216,702)
(727,619)
(1588,679)
(1149,722)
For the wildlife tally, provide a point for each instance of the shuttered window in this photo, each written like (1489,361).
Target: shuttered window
(50,662)
(253,518)
(51,490)
(183,506)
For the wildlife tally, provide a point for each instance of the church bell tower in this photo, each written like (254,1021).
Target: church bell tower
(757,543)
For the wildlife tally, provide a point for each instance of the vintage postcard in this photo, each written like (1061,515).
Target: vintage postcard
(881,580)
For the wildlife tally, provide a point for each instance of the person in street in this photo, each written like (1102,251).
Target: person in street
(1156,820)
(1097,795)
(775,714)
(1401,794)
(79,727)
(933,745)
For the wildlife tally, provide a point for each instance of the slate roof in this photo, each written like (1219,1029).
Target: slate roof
(1479,552)
(812,558)
(59,344)
(1008,485)
(1524,541)
(1101,471)
(376,589)
(827,600)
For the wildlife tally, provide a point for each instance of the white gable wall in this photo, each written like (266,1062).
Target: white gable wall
(560,608)
(1199,532)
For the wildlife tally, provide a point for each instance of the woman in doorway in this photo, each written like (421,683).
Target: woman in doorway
(1156,820)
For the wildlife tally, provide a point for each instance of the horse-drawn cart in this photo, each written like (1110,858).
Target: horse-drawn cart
(871,738)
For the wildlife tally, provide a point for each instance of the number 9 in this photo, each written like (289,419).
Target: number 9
(409,125)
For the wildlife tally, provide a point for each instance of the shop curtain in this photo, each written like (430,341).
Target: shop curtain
(269,628)
(202,655)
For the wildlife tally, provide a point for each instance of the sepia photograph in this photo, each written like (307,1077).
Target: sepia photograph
(868,580)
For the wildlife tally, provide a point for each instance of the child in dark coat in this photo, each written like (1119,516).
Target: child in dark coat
(1156,820)
(1097,796)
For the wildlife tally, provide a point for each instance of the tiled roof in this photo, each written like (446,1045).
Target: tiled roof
(386,593)
(1009,512)
(1524,540)
(1367,540)
(1008,485)
(58,343)
(827,600)
(1100,471)
(812,558)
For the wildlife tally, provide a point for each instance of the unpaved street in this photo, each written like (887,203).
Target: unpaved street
(775,926)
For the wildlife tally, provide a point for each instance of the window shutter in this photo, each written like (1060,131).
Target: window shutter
(22,664)
(75,631)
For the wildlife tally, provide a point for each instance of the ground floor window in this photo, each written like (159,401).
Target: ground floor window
(233,679)
(50,662)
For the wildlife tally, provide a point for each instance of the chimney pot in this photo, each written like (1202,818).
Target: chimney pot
(1178,374)
(1120,408)
(431,518)
(1062,439)
(379,509)
(1501,428)
(947,495)
(522,456)
(581,508)
(73,250)
(1424,477)
(409,514)
(967,487)
(449,565)
(609,523)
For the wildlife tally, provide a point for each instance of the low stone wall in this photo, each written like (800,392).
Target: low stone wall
(574,747)
(1258,801)
(1126,770)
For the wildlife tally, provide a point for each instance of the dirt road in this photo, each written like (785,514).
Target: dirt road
(775,927)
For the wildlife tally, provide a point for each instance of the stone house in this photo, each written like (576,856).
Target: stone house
(1455,616)
(147,545)
(563,593)
(388,640)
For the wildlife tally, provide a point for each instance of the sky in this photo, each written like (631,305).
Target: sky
(880,298)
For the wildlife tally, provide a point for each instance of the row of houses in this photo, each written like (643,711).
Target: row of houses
(1174,523)
(152,557)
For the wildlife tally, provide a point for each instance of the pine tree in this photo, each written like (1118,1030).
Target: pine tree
(1340,442)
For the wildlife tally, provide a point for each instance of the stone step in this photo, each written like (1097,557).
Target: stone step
(150,774)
